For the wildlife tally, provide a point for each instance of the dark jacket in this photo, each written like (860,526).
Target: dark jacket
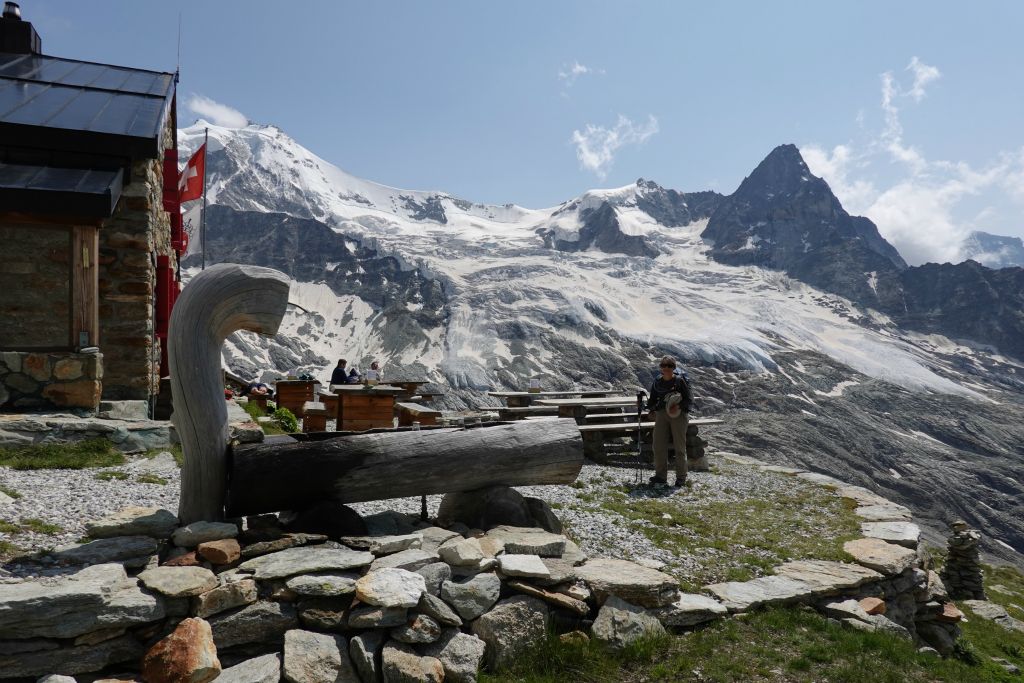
(662,388)
(339,376)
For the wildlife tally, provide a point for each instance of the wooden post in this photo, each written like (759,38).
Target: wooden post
(85,316)
(220,300)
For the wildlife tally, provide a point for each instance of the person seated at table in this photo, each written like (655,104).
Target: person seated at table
(374,374)
(353,376)
(340,373)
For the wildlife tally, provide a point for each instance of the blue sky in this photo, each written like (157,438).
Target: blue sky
(912,111)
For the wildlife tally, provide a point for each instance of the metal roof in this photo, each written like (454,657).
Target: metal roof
(66,104)
(66,191)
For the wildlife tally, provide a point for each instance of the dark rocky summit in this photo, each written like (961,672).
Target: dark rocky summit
(783,217)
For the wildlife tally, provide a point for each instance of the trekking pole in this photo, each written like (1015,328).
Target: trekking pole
(640,396)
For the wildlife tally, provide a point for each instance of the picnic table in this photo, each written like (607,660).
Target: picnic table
(580,408)
(365,407)
(294,393)
(522,399)
(594,436)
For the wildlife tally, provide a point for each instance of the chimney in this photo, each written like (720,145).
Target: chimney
(18,36)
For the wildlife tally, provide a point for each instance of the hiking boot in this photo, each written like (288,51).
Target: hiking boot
(657,480)
(679,482)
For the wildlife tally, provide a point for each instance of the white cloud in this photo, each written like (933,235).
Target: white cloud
(216,113)
(923,75)
(568,74)
(918,212)
(596,145)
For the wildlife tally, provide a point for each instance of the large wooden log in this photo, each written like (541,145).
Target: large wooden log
(269,478)
(220,300)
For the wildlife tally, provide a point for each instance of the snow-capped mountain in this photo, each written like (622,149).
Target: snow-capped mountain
(590,292)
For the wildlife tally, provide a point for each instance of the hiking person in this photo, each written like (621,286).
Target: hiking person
(340,374)
(669,403)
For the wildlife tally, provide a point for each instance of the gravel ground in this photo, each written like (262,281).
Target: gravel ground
(69,498)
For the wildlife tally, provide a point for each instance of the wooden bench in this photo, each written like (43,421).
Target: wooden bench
(293,394)
(314,416)
(527,411)
(594,436)
(414,412)
(329,399)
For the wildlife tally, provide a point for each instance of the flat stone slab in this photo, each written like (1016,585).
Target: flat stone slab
(261,622)
(391,587)
(410,560)
(265,669)
(324,585)
(94,598)
(741,596)
(888,558)
(994,612)
(906,534)
(781,469)
(179,582)
(825,577)
(434,536)
(461,552)
(630,581)
(384,545)
(529,541)
(200,532)
(305,560)
(883,513)
(527,566)
(134,551)
(822,480)
(862,496)
(689,610)
(134,521)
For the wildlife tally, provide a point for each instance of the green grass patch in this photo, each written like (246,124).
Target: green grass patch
(739,539)
(32,524)
(10,492)
(8,550)
(174,450)
(62,456)
(147,478)
(986,639)
(110,475)
(40,527)
(783,644)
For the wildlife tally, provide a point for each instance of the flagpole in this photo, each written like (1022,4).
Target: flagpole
(202,223)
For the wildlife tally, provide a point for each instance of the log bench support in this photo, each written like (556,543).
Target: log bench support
(314,418)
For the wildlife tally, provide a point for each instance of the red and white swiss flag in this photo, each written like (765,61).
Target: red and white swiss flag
(192,177)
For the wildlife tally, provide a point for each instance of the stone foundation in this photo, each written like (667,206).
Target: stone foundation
(57,379)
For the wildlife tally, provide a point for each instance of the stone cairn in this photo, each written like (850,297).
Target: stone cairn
(962,571)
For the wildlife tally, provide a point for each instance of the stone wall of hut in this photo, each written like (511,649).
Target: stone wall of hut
(130,242)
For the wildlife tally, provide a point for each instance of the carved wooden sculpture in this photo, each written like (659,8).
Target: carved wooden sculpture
(220,300)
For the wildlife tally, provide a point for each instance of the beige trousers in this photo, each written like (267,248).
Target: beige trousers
(663,424)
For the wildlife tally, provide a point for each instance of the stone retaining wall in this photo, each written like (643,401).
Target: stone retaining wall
(329,595)
(61,379)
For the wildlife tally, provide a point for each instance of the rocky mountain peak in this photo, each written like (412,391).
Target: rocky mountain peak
(782,172)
